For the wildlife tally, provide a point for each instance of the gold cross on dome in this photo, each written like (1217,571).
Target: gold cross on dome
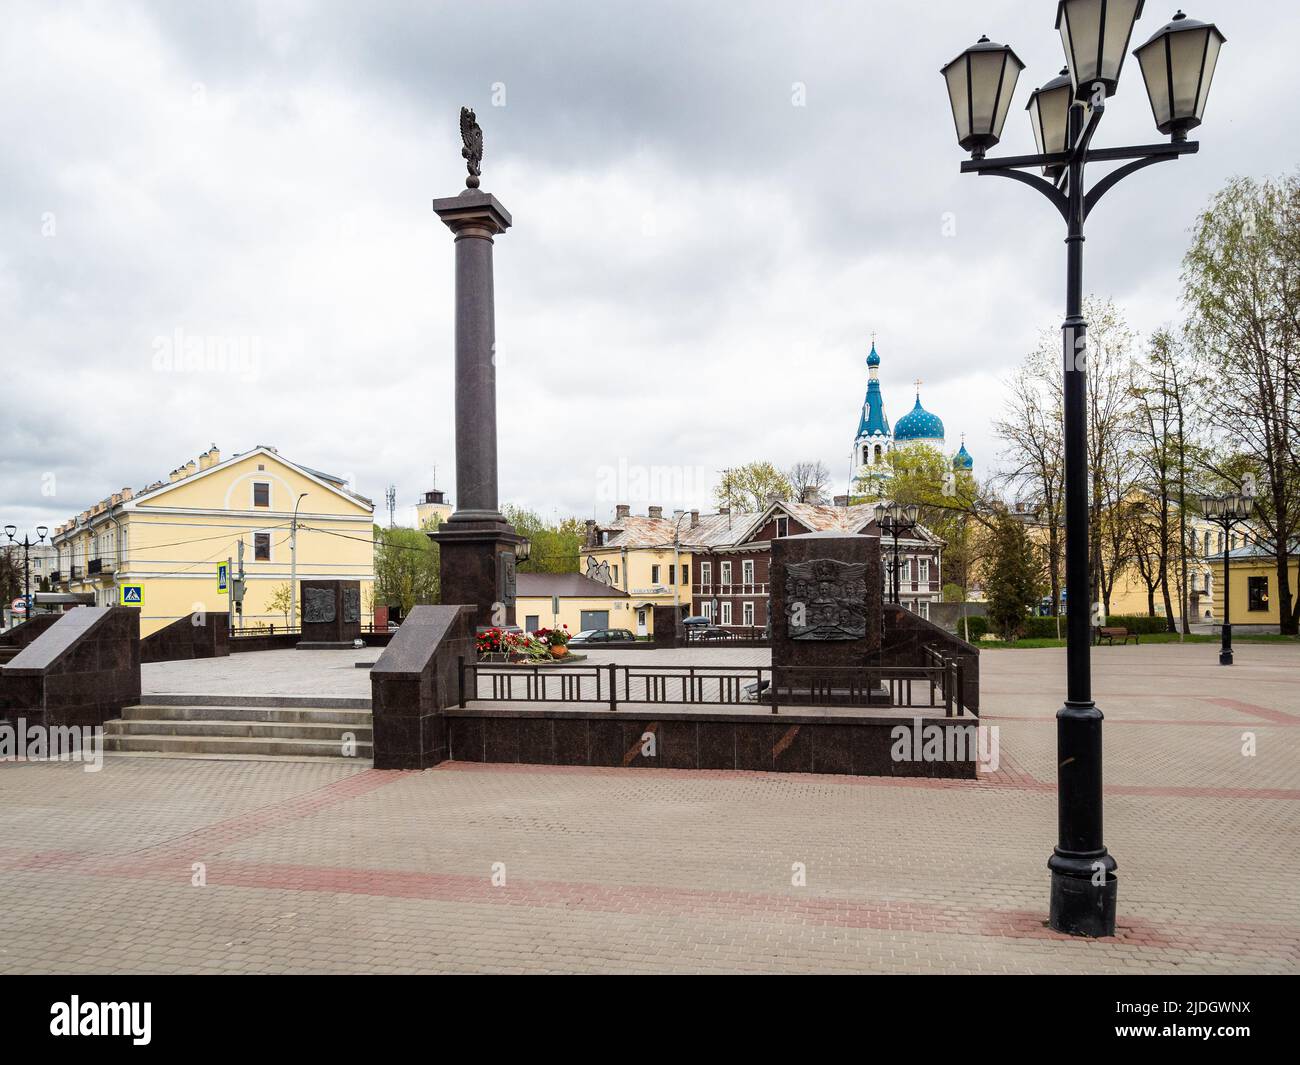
(918,382)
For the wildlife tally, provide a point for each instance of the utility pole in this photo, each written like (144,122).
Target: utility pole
(293,565)
(391,497)
(237,584)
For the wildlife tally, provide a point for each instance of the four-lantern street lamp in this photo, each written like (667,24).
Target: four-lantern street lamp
(896,520)
(1178,66)
(26,543)
(1226,512)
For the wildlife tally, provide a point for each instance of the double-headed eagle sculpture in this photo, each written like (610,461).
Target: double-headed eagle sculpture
(471,135)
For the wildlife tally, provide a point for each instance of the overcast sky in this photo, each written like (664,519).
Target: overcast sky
(715,205)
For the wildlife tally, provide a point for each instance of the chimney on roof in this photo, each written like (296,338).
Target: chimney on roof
(621,511)
(841,501)
(590,541)
(127,493)
(773,497)
(655,512)
(189,468)
(174,476)
(724,511)
(695,518)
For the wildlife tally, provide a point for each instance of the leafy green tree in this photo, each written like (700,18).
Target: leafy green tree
(280,600)
(556,547)
(749,486)
(1241,284)
(406,568)
(1014,582)
(11,577)
(951,505)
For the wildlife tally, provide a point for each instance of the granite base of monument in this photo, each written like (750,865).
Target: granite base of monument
(331,615)
(827,612)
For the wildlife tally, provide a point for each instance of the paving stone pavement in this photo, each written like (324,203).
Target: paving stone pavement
(311,868)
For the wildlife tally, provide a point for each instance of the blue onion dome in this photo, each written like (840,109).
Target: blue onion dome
(918,424)
(962,460)
(873,359)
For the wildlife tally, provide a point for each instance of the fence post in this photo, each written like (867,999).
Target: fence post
(460,674)
(613,686)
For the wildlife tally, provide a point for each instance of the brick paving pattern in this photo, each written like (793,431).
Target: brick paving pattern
(315,867)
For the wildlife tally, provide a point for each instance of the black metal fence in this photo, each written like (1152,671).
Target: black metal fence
(612,686)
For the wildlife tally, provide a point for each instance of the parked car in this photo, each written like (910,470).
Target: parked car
(711,632)
(694,621)
(595,637)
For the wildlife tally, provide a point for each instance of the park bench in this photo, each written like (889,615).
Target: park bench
(1116,632)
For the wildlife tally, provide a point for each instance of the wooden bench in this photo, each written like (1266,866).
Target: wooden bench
(1113,633)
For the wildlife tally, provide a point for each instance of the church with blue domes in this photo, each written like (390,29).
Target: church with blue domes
(875,440)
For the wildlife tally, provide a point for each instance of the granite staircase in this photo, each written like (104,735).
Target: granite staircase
(286,728)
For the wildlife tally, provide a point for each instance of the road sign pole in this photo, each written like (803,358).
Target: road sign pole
(230,599)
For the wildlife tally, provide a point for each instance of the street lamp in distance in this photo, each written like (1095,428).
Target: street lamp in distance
(1227,511)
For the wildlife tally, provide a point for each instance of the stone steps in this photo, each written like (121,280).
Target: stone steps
(256,728)
(279,715)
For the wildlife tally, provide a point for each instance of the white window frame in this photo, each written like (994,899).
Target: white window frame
(747,613)
(654,573)
(747,571)
(725,576)
(706,610)
(906,577)
(923,566)
(726,612)
(706,574)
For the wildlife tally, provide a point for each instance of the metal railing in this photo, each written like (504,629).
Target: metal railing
(612,685)
(954,673)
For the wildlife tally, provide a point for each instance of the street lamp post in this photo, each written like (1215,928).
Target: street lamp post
(1178,65)
(896,521)
(26,543)
(1226,512)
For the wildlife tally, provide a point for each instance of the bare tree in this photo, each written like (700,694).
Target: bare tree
(1032,430)
(809,481)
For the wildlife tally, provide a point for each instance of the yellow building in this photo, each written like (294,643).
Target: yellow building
(554,600)
(160,548)
(649,558)
(432,510)
(1129,594)
(1253,596)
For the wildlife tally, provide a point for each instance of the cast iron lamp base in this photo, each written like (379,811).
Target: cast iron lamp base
(1084,885)
(1079,906)
(1225,652)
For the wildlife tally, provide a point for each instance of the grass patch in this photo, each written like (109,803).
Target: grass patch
(1159,637)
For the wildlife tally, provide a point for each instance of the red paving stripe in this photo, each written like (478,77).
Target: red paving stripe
(646,900)
(1295,722)
(1275,716)
(1009,775)
(242,826)
(1203,793)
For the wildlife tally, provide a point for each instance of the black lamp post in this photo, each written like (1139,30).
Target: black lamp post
(26,543)
(1225,512)
(1178,66)
(896,521)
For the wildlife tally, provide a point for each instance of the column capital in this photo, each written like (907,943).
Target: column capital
(473,209)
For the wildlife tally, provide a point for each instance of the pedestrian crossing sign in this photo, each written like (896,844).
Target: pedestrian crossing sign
(131,595)
(223,578)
